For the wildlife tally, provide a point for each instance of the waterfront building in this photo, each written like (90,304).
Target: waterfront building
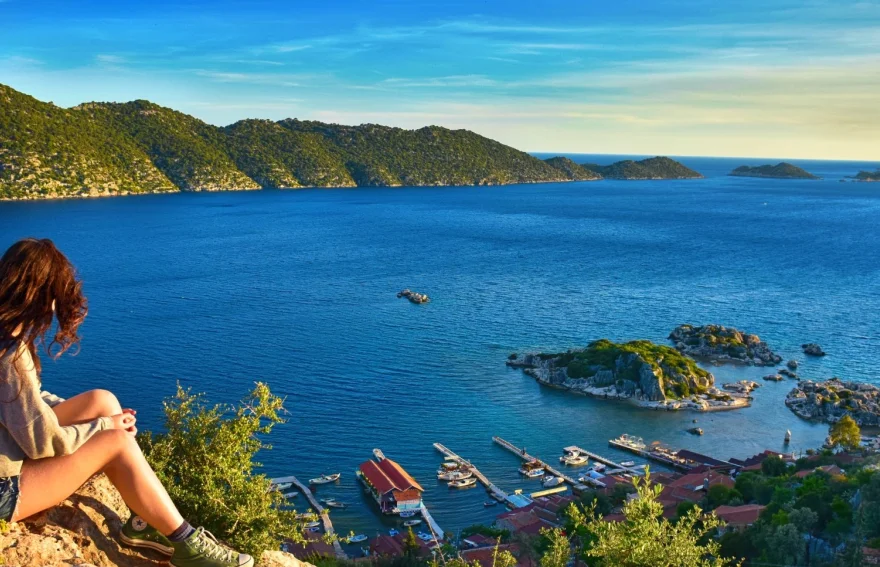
(392,487)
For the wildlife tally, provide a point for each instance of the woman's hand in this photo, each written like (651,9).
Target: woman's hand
(125,420)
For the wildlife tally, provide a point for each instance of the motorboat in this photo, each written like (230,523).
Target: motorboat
(280,486)
(411,523)
(463,483)
(449,466)
(425,536)
(550,481)
(532,473)
(292,494)
(628,464)
(630,442)
(574,459)
(392,532)
(408,514)
(490,503)
(357,538)
(456,475)
(598,467)
(325,478)
(333,503)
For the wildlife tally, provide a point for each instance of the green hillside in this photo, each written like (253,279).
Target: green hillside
(651,168)
(868,175)
(188,151)
(46,152)
(381,155)
(782,170)
(572,170)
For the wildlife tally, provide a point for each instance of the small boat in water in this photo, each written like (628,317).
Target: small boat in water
(573,459)
(463,483)
(628,463)
(357,538)
(311,525)
(333,503)
(407,514)
(550,481)
(293,494)
(325,478)
(411,523)
(455,475)
(787,436)
(425,536)
(490,503)
(280,486)
(392,532)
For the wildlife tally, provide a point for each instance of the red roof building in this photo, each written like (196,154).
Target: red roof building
(485,556)
(393,546)
(739,516)
(393,488)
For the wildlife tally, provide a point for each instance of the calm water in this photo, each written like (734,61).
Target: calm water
(298,289)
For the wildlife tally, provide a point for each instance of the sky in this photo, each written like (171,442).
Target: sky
(752,78)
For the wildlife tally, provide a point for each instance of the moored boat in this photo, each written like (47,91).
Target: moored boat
(550,481)
(411,523)
(293,494)
(463,483)
(573,459)
(392,532)
(407,514)
(325,478)
(357,538)
(456,475)
(490,503)
(628,463)
(313,525)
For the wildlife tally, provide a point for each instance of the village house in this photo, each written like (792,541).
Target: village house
(394,490)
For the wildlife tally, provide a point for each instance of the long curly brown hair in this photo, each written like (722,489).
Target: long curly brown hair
(38,282)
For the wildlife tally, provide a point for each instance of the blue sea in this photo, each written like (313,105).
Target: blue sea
(298,289)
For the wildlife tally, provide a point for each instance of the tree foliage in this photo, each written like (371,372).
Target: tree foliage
(205,458)
(845,433)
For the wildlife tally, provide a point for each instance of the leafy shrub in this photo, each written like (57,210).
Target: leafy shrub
(205,458)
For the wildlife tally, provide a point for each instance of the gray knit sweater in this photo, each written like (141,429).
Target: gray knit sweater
(29,428)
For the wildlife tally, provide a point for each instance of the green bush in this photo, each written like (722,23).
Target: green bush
(205,458)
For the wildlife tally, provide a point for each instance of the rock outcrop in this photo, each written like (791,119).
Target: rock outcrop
(782,170)
(812,349)
(652,375)
(830,400)
(83,531)
(723,344)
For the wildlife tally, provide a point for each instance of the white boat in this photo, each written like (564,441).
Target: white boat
(313,525)
(630,442)
(293,494)
(598,467)
(411,523)
(425,536)
(532,473)
(628,463)
(450,466)
(408,514)
(357,538)
(333,503)
(325,478)
(551,481)
(456,475)
(280,486)
(573,459)
(463,483)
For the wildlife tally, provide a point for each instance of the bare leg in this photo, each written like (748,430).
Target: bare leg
(87,406)
(46,482)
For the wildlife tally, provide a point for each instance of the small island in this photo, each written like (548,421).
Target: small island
(868,176)
(830,400)
(414,297)
(723,344)
(782,170)
(574,171)
(644,373)
(651,168)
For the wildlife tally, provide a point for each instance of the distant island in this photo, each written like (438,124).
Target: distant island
(868,176)
(782,170)
(645,373)
(723,344)
(572,170)
(651,168)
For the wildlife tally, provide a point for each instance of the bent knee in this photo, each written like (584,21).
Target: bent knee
(104,402)
(120,439)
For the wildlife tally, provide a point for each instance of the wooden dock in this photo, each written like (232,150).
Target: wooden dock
(575,484)
(491,488)
(320,510)
(605,461)
(436,531)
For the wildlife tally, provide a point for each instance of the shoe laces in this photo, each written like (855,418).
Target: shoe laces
(208,544)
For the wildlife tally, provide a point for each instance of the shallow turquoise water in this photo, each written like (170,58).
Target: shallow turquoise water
(298,289)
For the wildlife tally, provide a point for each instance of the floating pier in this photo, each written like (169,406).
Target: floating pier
(432,523)
(493,490)
(575,484)
(605,461)
(320,510)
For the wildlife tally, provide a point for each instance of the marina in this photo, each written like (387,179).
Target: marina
(491,488)
(322,512)
(521,453)
(681,460)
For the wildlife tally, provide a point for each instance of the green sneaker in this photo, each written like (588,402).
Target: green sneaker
(137,533)
(201,549)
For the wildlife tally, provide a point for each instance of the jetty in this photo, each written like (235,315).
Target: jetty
(322,512)
(436,531)
(607,462)
(491,488)
(576,485)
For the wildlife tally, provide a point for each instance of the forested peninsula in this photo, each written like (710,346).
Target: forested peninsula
(102,149)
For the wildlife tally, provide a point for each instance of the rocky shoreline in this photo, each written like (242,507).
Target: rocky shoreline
(660,382)
(720,344)
(830,400)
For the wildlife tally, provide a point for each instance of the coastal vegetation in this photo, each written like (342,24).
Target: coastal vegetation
(723,344)
(205,458)
(574,171)
(97,149)
(651,168)
(641,370)
(782,170)
(868,176)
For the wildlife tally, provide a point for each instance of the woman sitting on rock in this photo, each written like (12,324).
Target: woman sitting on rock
(49,447)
